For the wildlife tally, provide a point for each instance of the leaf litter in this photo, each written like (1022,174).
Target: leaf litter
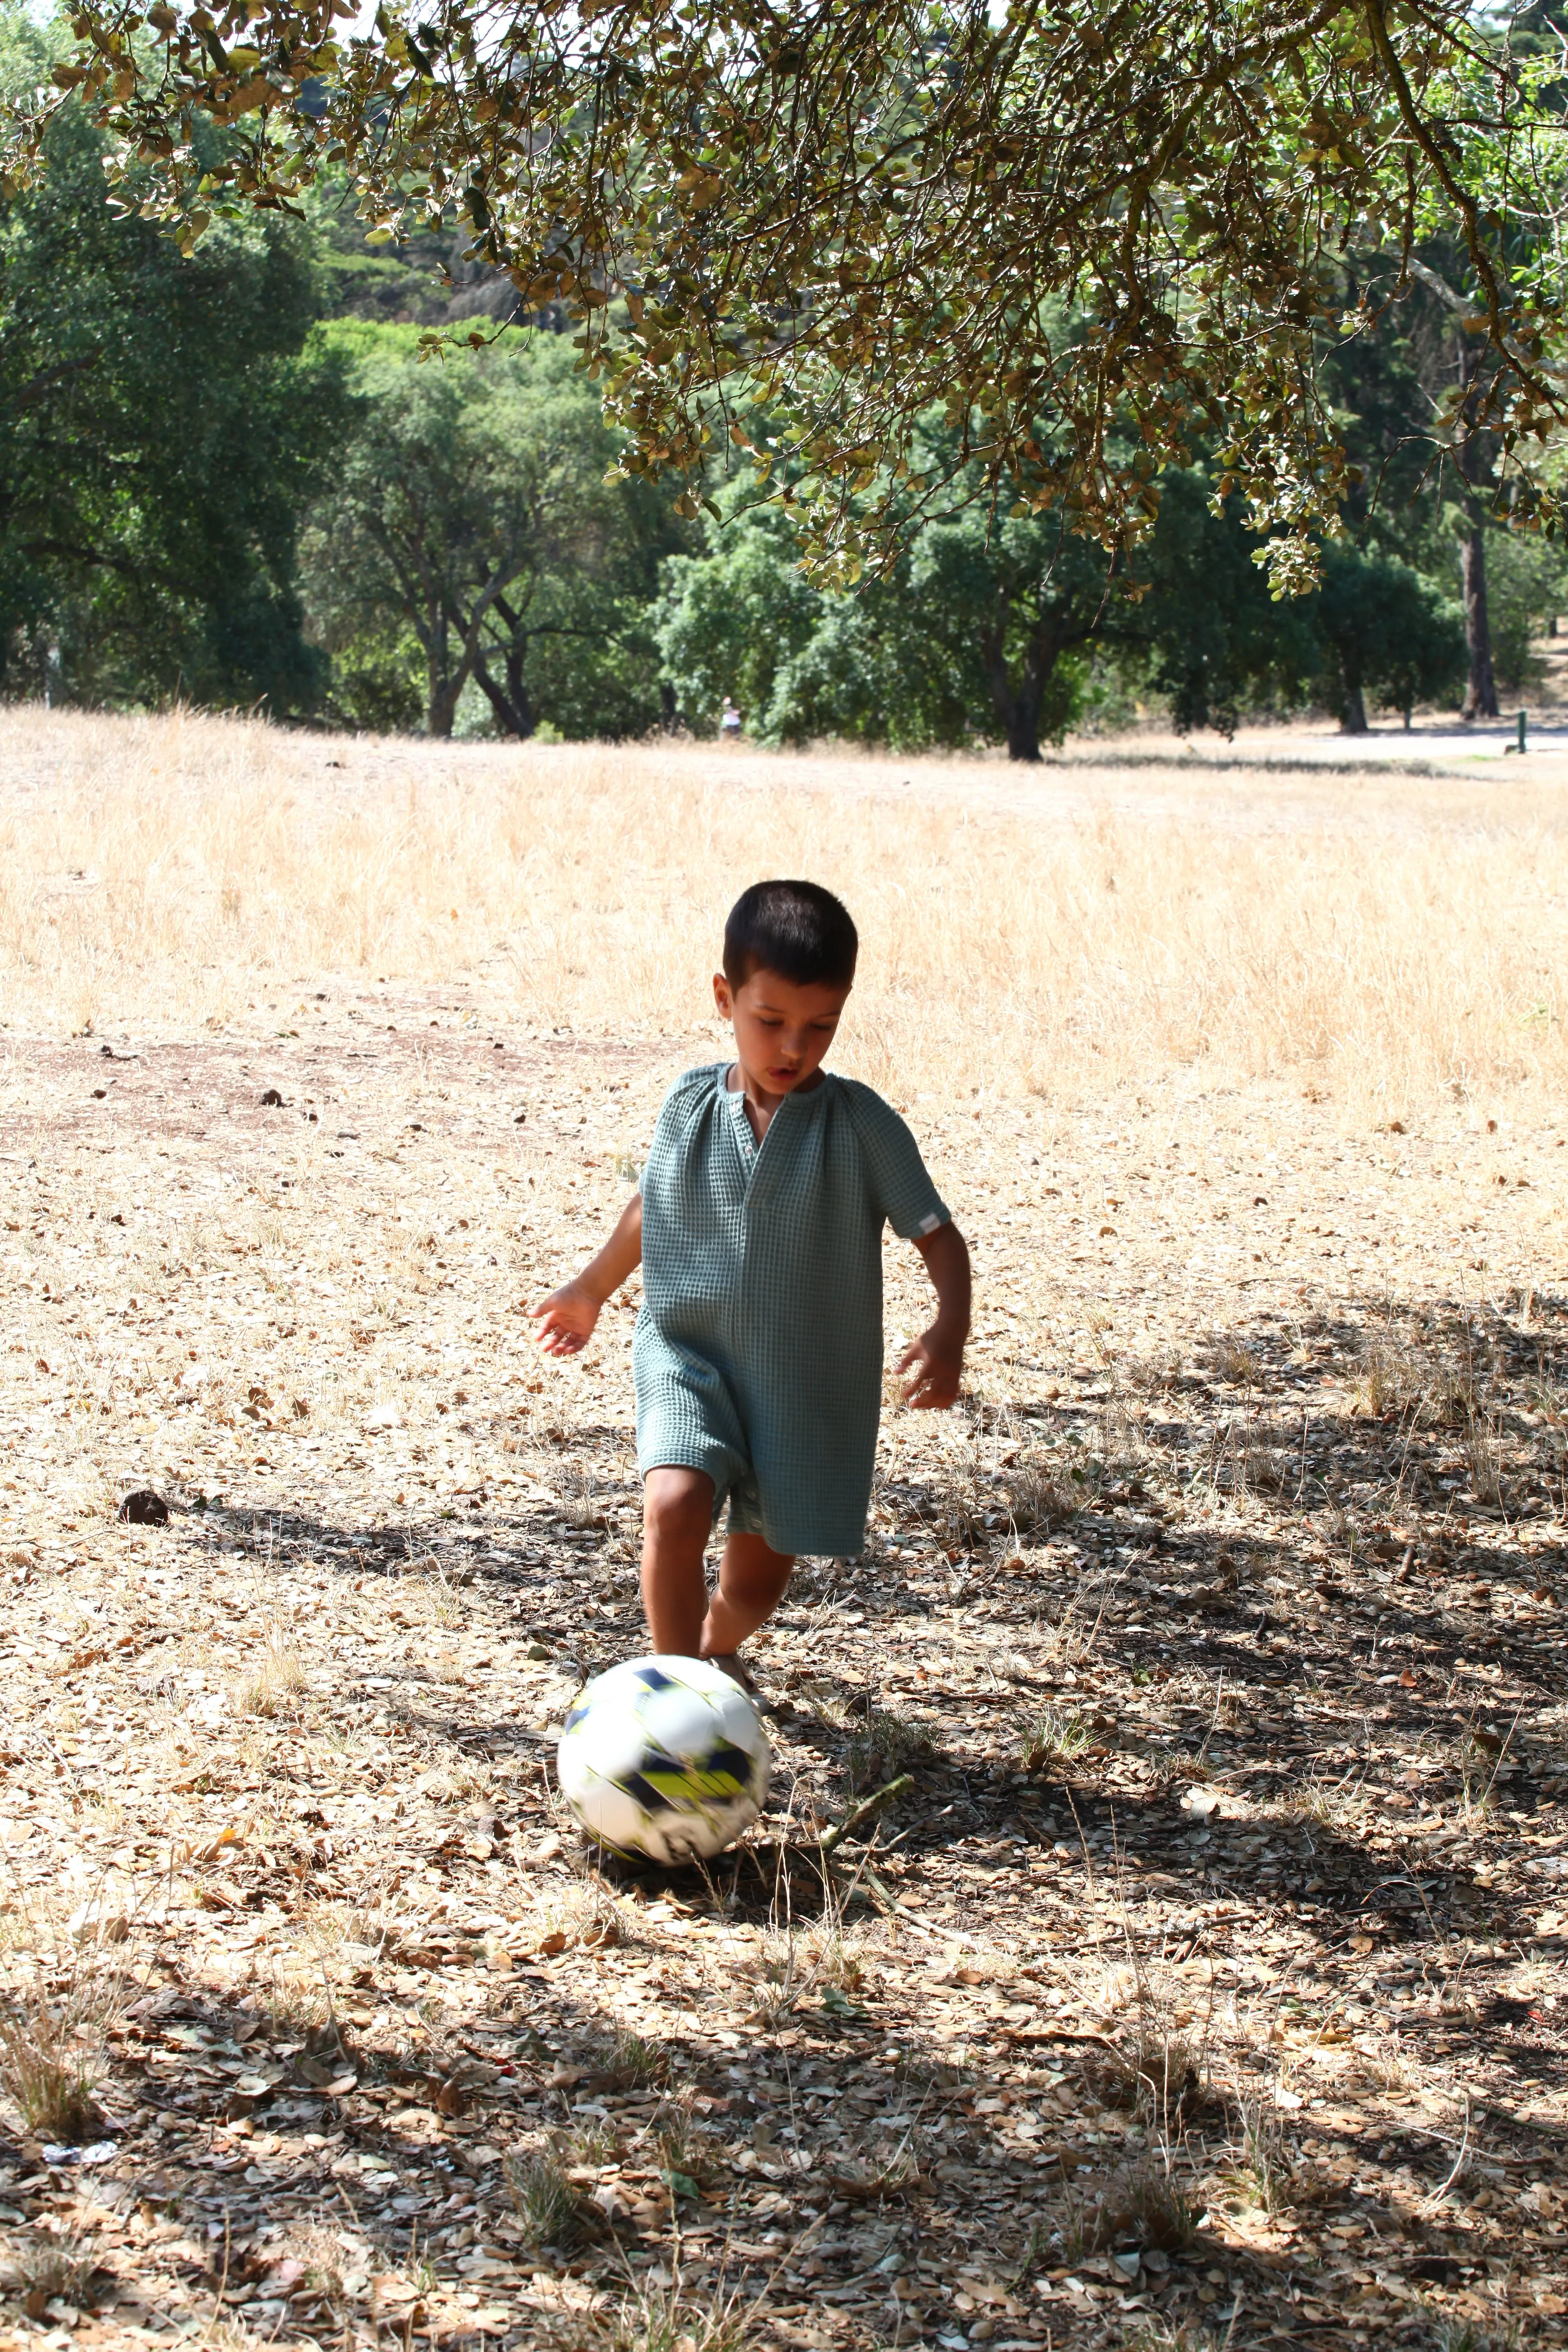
(1204,1972)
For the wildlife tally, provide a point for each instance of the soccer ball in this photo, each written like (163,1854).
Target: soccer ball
(664,1758)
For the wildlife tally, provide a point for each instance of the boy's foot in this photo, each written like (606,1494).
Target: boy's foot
(732,1665)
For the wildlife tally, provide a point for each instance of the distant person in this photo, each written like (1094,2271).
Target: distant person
(729,723)
(758,1357)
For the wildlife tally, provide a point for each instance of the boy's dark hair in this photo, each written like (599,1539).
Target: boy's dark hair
(796,929)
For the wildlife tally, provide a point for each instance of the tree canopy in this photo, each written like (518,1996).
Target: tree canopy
(1100,237)
(471,515)
(1011,632)
(203,493)
(161,427)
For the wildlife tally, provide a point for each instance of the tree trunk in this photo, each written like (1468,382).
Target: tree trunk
(447,684)
(440,693)
(1480,693)
(517,685)
(1353,703)
(1017,706)
(442,710)
(1024,727)
(510,703)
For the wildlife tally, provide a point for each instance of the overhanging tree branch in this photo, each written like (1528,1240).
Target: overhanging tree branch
(824,221)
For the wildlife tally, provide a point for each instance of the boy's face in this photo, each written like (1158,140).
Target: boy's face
(782,1030)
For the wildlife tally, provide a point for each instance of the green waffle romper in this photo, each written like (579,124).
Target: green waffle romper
(758,1355)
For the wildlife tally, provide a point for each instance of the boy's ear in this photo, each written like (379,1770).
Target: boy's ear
(723,997)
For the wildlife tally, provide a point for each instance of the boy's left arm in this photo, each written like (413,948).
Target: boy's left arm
(935,1359)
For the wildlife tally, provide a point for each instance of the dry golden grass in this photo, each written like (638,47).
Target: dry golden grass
(287,1148)
(1384,938)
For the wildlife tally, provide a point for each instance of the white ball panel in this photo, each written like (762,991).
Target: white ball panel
(664,1757)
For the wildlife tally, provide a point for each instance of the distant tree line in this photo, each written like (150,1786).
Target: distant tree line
(227,476)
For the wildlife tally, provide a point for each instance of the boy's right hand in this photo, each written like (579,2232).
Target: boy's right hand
(566,1319)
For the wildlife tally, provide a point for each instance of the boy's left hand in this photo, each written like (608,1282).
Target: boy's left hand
(935,1363)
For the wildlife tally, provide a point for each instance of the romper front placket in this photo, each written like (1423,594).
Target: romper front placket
(753,1152)
(760,1166)
(747,1151)
(757,1167)
(746,1143)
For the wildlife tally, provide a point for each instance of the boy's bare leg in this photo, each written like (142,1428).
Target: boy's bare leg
(751,1581)
(677,1519)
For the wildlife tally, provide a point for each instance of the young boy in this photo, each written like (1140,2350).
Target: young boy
(758,1356)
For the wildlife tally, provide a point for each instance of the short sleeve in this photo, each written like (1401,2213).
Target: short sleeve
(900,1183)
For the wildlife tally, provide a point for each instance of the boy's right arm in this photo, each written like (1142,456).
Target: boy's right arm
(566,1318)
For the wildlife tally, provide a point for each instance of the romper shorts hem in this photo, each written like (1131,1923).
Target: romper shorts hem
(732,1485)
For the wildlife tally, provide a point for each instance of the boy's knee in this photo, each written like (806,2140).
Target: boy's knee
(678,1506)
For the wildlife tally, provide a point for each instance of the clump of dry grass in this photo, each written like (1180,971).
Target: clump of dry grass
(50,2063)
(1152,2333)
(681,2149)
(792,1971)
(296,2005)
(544,2197)
(1258,2171)
(54,2016)
(1484,1458)
(674,2318)
(1041,1492)
(1233,1360)
(1259,1469)
(445,1605)
(1388,2068)
(1462,2334)
(783,1975)
(582,1504)
(1159,2064)
(1054,1737)
(822,1959)
(1144,2202)
(277,1677)
(67,1983)
(1396,1379)
(1479,1757)
(631,2061)
(1385,1382)
(584,1913)
(884,1745)
(51,2265)
(1320,1804)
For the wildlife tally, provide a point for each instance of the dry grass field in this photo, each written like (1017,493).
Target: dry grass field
(1204,1986)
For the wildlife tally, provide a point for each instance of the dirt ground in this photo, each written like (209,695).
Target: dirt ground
(1204,1984)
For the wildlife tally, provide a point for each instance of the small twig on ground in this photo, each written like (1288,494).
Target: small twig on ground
(887,1902)
(831,1839)
(1438,2195)
(1502,1751)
